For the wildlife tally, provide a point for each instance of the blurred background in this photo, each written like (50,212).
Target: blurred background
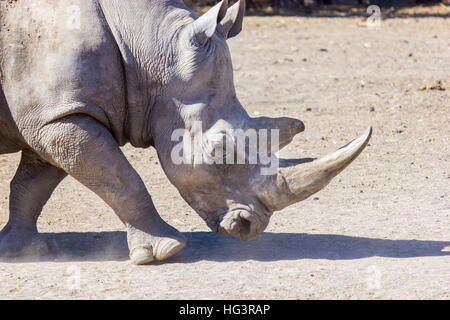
(297,5)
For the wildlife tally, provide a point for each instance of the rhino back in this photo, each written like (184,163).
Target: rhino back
(58,57)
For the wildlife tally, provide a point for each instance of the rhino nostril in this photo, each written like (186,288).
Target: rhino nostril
(245,227)
(241,224)
(235,227)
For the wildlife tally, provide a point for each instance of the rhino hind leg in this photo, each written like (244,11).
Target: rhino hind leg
(31,187)
(20,242)
(87,151)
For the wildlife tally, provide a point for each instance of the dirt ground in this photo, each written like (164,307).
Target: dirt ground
(381,230)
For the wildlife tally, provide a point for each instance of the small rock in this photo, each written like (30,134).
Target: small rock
(438,86)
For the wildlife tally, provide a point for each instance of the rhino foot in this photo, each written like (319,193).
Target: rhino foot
(164,249)
(18,242)
(147,246)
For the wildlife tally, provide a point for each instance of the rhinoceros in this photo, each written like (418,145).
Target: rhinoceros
(81,78)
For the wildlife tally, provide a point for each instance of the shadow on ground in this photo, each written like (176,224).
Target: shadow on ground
(205,246)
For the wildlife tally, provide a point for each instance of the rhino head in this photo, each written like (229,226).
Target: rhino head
(234,197)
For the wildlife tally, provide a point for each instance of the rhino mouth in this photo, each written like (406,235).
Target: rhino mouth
(243,224)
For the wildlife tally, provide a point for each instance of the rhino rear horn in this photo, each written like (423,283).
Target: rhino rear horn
(205,26)
(297,182)
(287,128)
(232,22)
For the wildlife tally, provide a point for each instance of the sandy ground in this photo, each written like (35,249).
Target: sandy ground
(380,230)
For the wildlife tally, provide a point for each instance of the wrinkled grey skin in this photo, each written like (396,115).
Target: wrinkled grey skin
(134,71)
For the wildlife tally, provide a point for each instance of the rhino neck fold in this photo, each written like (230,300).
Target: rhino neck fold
(144,32)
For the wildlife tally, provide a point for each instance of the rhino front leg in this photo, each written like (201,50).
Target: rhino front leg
(87,151)
(31,187)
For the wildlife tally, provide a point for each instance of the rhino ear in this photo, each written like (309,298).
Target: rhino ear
(205,26)
(232,23)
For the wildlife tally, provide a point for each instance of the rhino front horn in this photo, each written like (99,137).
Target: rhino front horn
(296,182)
